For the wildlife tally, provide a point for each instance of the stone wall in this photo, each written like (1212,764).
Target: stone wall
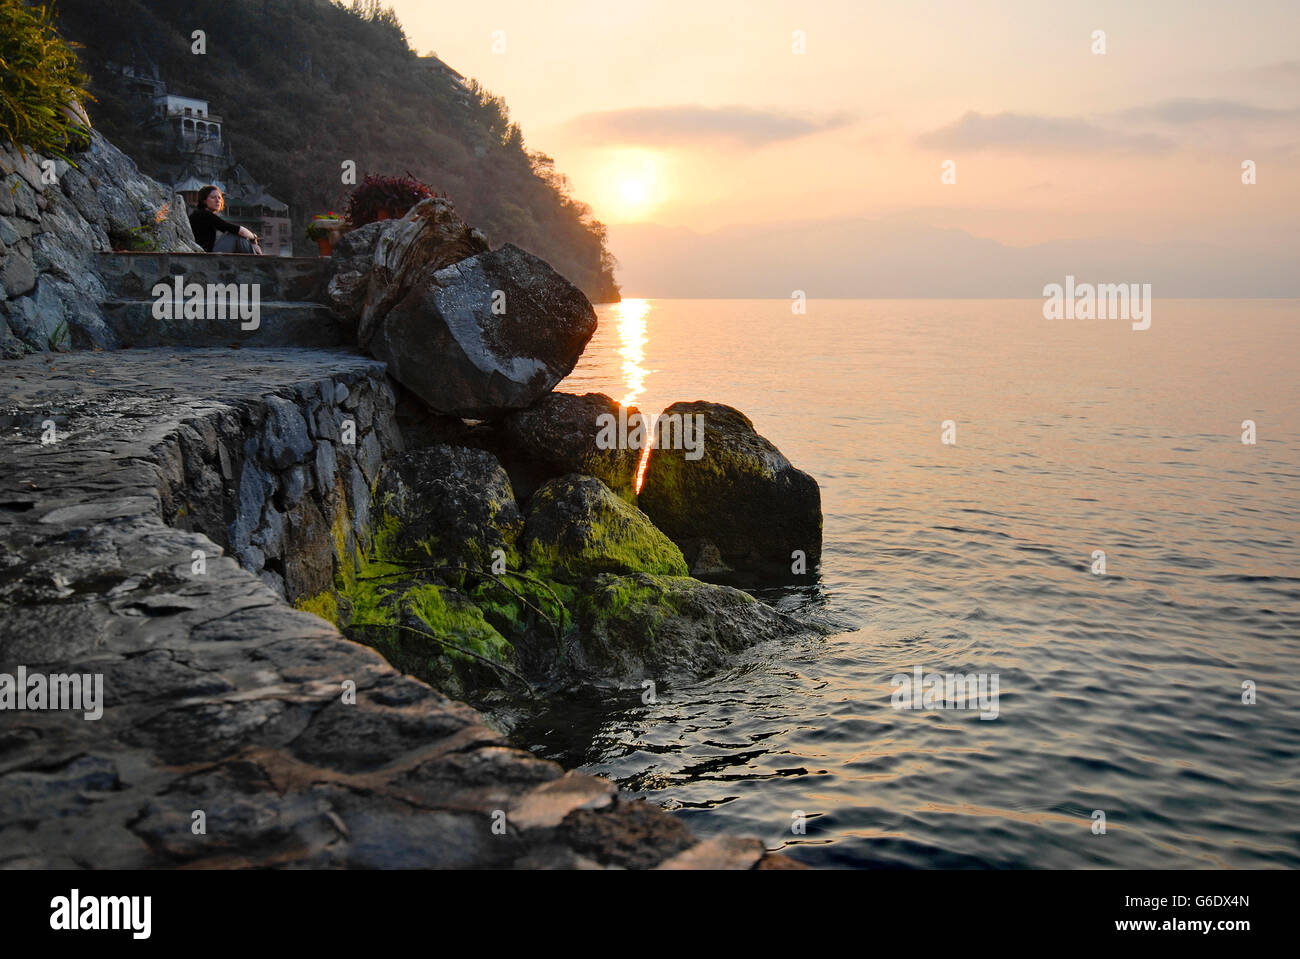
(54,218)
(133,275)
(284,484)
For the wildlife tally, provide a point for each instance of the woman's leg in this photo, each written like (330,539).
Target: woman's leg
(232,243)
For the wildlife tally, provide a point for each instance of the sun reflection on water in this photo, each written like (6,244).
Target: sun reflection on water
(632,340)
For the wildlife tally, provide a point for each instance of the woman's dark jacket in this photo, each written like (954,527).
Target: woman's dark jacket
(205,225)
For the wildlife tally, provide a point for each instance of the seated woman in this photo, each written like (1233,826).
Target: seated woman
(206,225)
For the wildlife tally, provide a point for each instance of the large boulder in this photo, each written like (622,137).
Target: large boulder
(350,263)
(577,528)
(561,433)
(726,495)
(472,332)
(374,265)
(405,253)
(490,333)
(447,505)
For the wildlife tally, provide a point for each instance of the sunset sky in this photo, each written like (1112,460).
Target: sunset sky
(700,117)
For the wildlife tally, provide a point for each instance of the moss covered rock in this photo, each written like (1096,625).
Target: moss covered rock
(664,627)
(453,506)
(577,528)
(433,633)
(731,488)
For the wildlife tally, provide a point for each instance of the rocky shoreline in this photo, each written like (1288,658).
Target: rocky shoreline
(221,698)
(232,538)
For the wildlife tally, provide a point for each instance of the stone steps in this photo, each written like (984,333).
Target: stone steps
(289,279)
(279,323)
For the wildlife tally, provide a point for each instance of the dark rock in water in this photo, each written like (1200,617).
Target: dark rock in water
(591,832)
(738,493)
(557,435)
(448,505)
(577,528)
(664,627)
(490,333)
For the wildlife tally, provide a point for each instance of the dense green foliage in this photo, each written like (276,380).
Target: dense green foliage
(39,80)
(305,85)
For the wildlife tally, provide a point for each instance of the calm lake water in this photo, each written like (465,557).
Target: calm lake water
(1119,692)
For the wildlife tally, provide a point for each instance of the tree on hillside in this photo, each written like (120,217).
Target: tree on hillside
(303,85)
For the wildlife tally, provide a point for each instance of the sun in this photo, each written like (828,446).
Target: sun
(635,193)
(634,185)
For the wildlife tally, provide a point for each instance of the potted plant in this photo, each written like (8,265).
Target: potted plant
(325,229)
(385,197)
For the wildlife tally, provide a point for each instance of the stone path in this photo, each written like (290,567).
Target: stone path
(224,707)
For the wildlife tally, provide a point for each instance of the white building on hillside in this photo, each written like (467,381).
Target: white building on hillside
(188,117)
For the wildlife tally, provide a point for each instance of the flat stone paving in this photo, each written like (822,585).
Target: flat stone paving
(225,739)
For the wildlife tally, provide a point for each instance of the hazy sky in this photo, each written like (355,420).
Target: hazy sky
(701,115)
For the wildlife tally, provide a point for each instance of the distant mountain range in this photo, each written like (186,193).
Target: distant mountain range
(878,258)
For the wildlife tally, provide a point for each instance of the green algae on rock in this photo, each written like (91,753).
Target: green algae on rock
(454,505)
(437,635)
(665,627)
(739,504)
(577,528)
(438,516)
(455,587)
(425,628)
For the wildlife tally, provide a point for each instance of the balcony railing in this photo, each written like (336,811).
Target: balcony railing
(170,114)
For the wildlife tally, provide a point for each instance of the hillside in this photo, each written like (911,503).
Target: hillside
(304,85)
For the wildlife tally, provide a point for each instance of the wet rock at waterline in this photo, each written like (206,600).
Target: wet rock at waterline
(559,434)
(592,594)
(728,497)
(664,627)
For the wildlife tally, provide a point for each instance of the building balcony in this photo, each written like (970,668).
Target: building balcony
(182,115)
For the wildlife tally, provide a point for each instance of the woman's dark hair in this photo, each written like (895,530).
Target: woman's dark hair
(202,202)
